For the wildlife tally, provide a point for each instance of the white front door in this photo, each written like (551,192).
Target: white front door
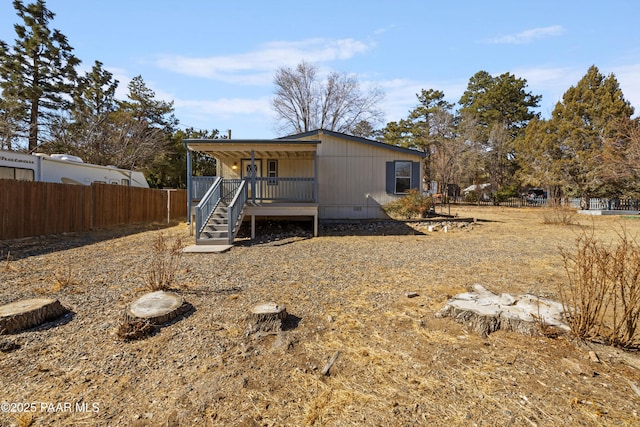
(248,172)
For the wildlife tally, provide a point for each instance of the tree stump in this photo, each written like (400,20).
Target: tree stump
(25,314)
(156,308)
(485,312)
(267,317)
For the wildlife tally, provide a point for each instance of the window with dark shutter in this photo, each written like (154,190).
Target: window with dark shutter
(402,177)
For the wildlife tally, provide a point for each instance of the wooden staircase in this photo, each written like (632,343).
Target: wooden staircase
(216,232)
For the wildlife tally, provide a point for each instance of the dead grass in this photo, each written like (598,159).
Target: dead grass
(398,364)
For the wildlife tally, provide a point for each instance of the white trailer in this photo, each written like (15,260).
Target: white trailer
(64,169)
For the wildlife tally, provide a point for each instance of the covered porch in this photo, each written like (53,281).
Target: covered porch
(267,177)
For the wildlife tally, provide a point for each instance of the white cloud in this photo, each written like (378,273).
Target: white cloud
(529,36)
(257,67)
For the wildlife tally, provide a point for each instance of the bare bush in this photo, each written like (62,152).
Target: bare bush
(558,215)
(602,296)
(165,258)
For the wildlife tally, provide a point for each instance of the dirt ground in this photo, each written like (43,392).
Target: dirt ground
(346,294)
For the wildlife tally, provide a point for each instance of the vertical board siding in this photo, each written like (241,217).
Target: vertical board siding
(40,208)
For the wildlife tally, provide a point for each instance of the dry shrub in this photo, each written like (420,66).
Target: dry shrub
(558,215)
(7,262)
(63,278)
(602,297)
(164,263)
(413,205)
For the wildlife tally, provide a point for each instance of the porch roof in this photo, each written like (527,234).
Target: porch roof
(233,148)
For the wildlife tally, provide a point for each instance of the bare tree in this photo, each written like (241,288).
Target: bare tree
(303,102)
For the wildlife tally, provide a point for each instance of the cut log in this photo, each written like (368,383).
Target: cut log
(156,308)
(485,312)
(25,314)
(267,318)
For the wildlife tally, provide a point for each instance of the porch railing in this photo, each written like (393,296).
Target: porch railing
(200,185)
(230,188)
(288,189)
(235,208)
(207,205)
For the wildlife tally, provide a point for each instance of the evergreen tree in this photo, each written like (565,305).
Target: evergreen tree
(500,109)
(582,120)
(142,126)
(38,71)
(93,106)
(168,169)
(87,130)
(568,149)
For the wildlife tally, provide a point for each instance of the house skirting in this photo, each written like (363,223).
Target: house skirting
(256,209)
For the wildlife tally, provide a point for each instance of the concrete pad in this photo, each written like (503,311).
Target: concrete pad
(206,249)
(607,212)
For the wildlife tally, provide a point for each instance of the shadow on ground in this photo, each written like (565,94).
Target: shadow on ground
(278,233)
(16,249)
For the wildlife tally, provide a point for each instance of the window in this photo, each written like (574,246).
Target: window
(24,174)
(272,172)
(402,177)
(16,173)
(6,173)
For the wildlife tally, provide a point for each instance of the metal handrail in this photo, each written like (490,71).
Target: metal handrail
(207,205)
(235,208)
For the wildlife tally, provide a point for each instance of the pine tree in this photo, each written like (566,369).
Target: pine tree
(39,70)
(94,103)
(568,150)
(500,109)
(586,116)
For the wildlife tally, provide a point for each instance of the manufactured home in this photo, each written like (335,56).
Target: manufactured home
(64,169)
(320,175)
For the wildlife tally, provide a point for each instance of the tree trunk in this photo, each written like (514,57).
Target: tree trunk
(485,312)
(25,314)
(584,202)
(266,318)
(156,308)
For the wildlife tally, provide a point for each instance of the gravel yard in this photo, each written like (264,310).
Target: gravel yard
(345,291)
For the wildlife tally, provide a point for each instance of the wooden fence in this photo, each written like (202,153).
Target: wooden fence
(42,208)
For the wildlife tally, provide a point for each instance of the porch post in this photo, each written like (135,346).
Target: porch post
(189,172)
(253,177)
(253,227)
(315,177)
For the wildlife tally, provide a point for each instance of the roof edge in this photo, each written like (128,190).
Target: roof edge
(360,140)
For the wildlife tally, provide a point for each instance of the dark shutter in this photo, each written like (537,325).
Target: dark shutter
(391,178)
(415,175)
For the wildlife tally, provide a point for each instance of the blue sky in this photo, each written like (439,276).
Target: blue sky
(216,60)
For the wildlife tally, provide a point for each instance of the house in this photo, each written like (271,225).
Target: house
(319,174)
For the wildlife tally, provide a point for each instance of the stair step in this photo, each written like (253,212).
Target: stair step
(212,241)
(215,234)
